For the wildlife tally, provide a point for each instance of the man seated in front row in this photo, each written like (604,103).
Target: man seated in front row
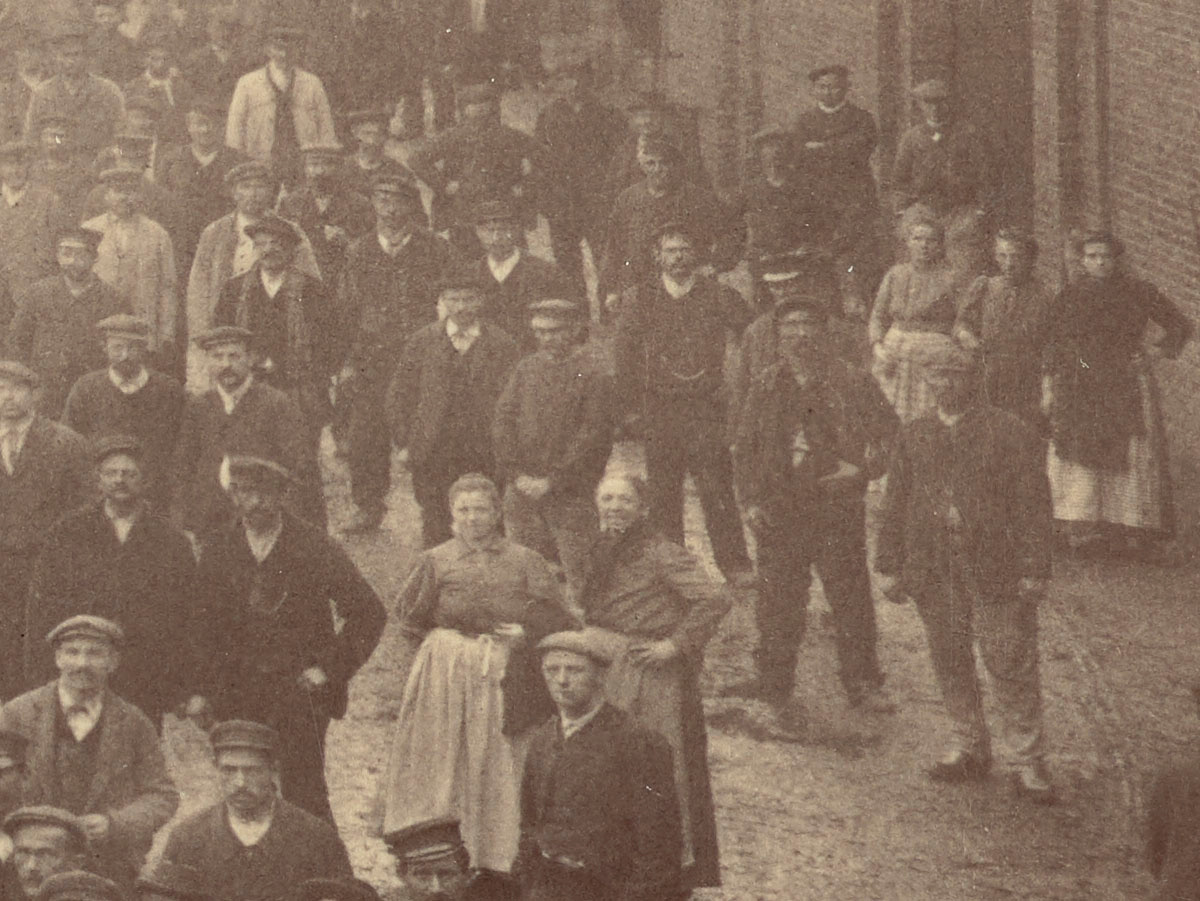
(46,841)
(93,753)
(433,864)
(599,814)
(252,844)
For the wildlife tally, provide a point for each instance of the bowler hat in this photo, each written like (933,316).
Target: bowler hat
(224,334)
(45,815)
(426,842)
(244,735)
(87,625)
(598,645)
(15,371)
(78,885)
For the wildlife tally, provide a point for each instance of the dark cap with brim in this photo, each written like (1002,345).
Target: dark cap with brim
(932,89)
(224,334)
(254,465)
(426,842)
(286,33)
(44,815)
(79,236)
(597,645)
(16,371)
(834,69)
(559,309)
(79,886)
(495,211)
(479,93)
(276,226)
(378,115)
(111,445)
(124,325)
(251,170)
(461,278)
(122,177)
(87,625)
(239,735)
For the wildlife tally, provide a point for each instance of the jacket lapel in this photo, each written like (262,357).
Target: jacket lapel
(41,747)
(30,455)
(106,758)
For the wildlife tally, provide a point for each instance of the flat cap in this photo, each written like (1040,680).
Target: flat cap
(124,325)
(131,142)
(87,625)
(932,89)
(375,114)
(224,334)
(426,842)
(497,210)
(1105,237)
(257,465)
(345,889)
(395,181)
(486,92)
(45,815)
(13,746)
(109,445)
(78,885)
(689,228)
(834,69)
(556,308)
(941,352)
(807,303)
(16,150)
(244,735)
(15,371)
(79,236)
(207,106)
(123,176)
(250,170)
(598,645)
(271,224)
(323,148)
(173,880)
(770,133)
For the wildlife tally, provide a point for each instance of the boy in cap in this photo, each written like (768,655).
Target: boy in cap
(252,843)
(433,864)
(121,559)
(46,841)
(226,251)
(552,435)
(30,218)
(599,813)
(127,397)
(92,752)
(813,432)
(283,621)
(442,395)
(47,475)
(965,532)
(136,259)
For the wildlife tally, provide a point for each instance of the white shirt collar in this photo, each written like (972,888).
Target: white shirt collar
(130,386)
(250,832)
(462,338)
(271,283)
(388,247)
(572,726)
(503,269)
(13,197)
(678,289)
(81,722)
(262,543)
(203,158)
(281,79)
(230,399)
(122,524)
(949,419)
(832,109)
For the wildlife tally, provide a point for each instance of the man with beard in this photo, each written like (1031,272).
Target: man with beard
(253,844)
(44,474)
(238,411)
(46,841)
(670,351)
(226,251)
(121,560)
(812,433)
(283,621)
(552,435)
(92,752)
(388,291)
(30,218)
(965,532)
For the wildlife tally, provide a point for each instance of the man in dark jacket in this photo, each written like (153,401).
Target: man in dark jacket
(599,814)
(120,560)
(252,844)
(670,350)
(284,620)
(44,474)
(388,292)
(442,396)
(552,435)
(965,531)
(812,433)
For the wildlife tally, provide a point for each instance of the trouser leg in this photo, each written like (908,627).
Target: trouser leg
(565,241)
(781,608)
(573,523)
(525,524)
(665,471)
(947,613)
(370,459)
(1007,628)
(431,488)
(841,562)
(713,472)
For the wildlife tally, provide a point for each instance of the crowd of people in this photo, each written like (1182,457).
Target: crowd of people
(211,251)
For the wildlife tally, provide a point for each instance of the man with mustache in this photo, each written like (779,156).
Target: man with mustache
(252,844)
(46,841)
(433,865)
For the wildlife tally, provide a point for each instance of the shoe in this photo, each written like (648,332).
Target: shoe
(874,700)
(364,522)
(960,766)
(1032,781)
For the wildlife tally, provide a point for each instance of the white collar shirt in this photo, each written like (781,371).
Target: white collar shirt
(81,716)
(462,338)
(677,289)
(573,726)
(271,283)
(13,197)
(250,832)
(244,255)
(503,269)
(391,248)
(230,399)
(129,386)
(122,525)
(262,543)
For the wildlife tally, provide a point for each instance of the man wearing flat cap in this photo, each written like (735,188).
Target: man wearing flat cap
(44,474)
(54,328)
(136,259)
(599,813)
(123,560)
(30,218)
(650,116)
(442,395)
(328,208)
(283,621)
(965,531)
(552,435)
(80,885)
(942,161)
(253,844)
(226,251)
(480,159)
(369,127)
(94,105)
(292,320)
(45,841)
(513,277)
(389,290)
(433,864)
(239,411)
(813,431)
(129,398)
(93,753)
(279,108)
